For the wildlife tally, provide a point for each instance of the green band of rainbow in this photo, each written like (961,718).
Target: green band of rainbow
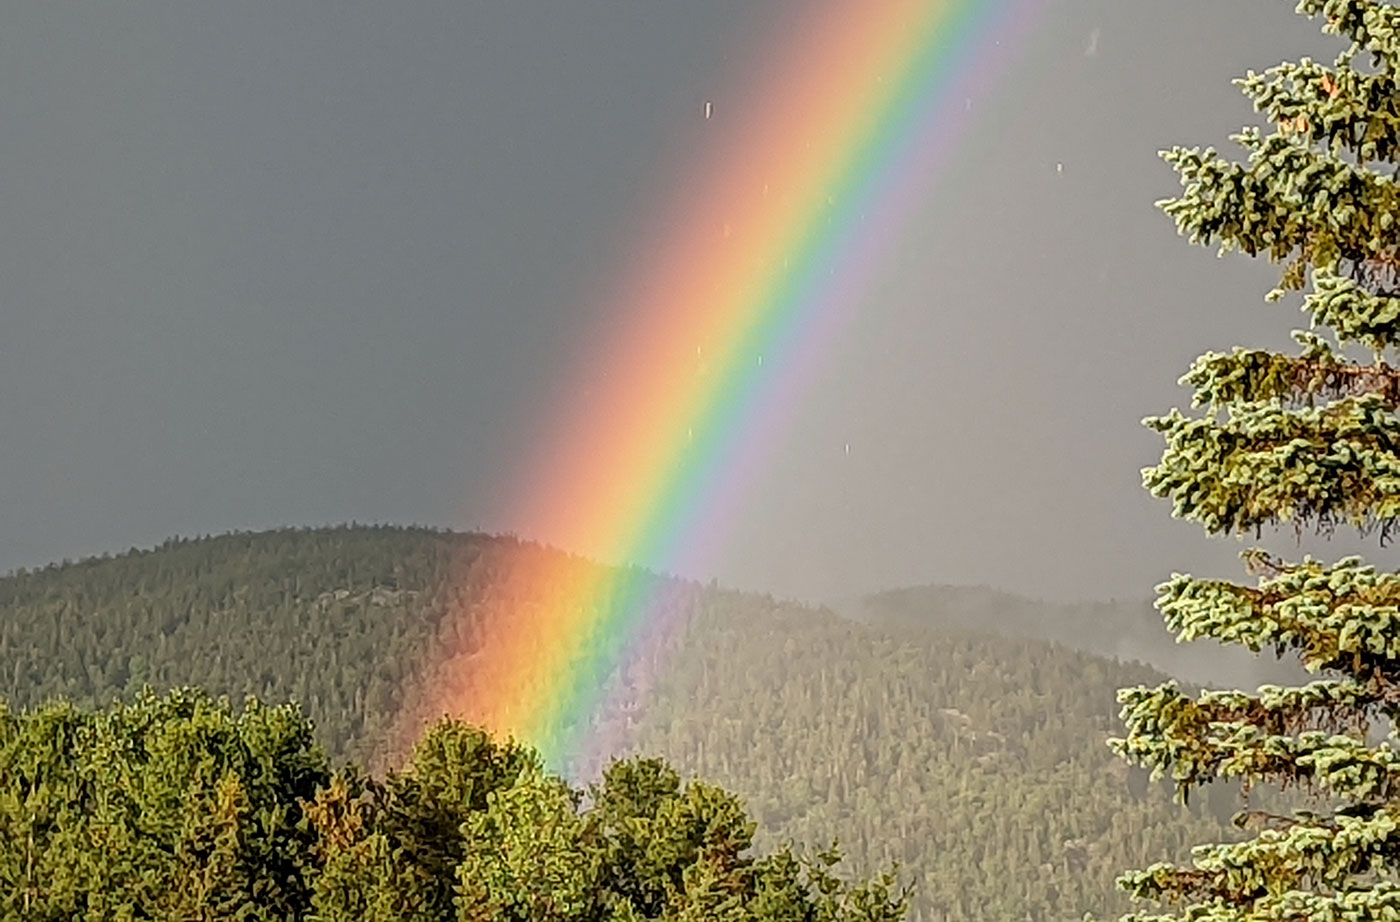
(769,252)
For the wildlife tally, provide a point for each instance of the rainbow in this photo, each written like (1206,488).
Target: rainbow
(770,243)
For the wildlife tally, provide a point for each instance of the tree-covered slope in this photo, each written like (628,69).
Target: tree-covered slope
(334,619)
(975,760)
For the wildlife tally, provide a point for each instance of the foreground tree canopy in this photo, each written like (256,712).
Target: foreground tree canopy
(1310,441)
(179,808)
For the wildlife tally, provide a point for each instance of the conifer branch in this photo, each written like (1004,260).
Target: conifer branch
(1344,618)
(1265,464)
(1255,375)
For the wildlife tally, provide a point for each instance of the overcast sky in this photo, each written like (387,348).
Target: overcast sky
(272,263)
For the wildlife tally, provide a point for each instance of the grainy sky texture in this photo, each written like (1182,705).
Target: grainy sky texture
(271,263)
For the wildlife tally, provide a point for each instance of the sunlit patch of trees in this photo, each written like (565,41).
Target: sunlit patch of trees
(179,807)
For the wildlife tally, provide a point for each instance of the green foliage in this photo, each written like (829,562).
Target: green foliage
(1334,617)
(1308,440)
(177,808)
(1306,191)
(529,863)
(1257,375)
(1354,314)
(335,619)
(644,820)
(169,808)
(391,851)
(1265,463)
(1327,211)
(974,762)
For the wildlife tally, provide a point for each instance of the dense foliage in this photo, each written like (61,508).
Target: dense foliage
(1307,440)
(169,809)
(175,808)
(975,761)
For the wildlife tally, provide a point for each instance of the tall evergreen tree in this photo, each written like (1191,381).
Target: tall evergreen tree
(1308,440)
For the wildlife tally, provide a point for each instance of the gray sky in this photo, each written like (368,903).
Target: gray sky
(274,263)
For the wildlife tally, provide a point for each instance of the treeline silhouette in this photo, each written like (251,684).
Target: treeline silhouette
(975,761)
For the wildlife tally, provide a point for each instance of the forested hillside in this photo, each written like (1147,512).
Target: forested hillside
(976,761)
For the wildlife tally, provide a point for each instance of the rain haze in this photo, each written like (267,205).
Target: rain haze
(270,264)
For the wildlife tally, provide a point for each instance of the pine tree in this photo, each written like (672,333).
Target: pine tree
(1308,441)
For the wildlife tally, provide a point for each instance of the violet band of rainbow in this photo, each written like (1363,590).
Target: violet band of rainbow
(775,238)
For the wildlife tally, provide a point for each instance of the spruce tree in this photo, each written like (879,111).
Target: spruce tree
(1308,441)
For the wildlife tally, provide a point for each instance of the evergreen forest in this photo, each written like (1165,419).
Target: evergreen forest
(975,762)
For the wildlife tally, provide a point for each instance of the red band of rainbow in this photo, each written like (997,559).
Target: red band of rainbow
(771,244)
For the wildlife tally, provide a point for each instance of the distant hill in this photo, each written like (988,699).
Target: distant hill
(1131,631)
(975,760)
